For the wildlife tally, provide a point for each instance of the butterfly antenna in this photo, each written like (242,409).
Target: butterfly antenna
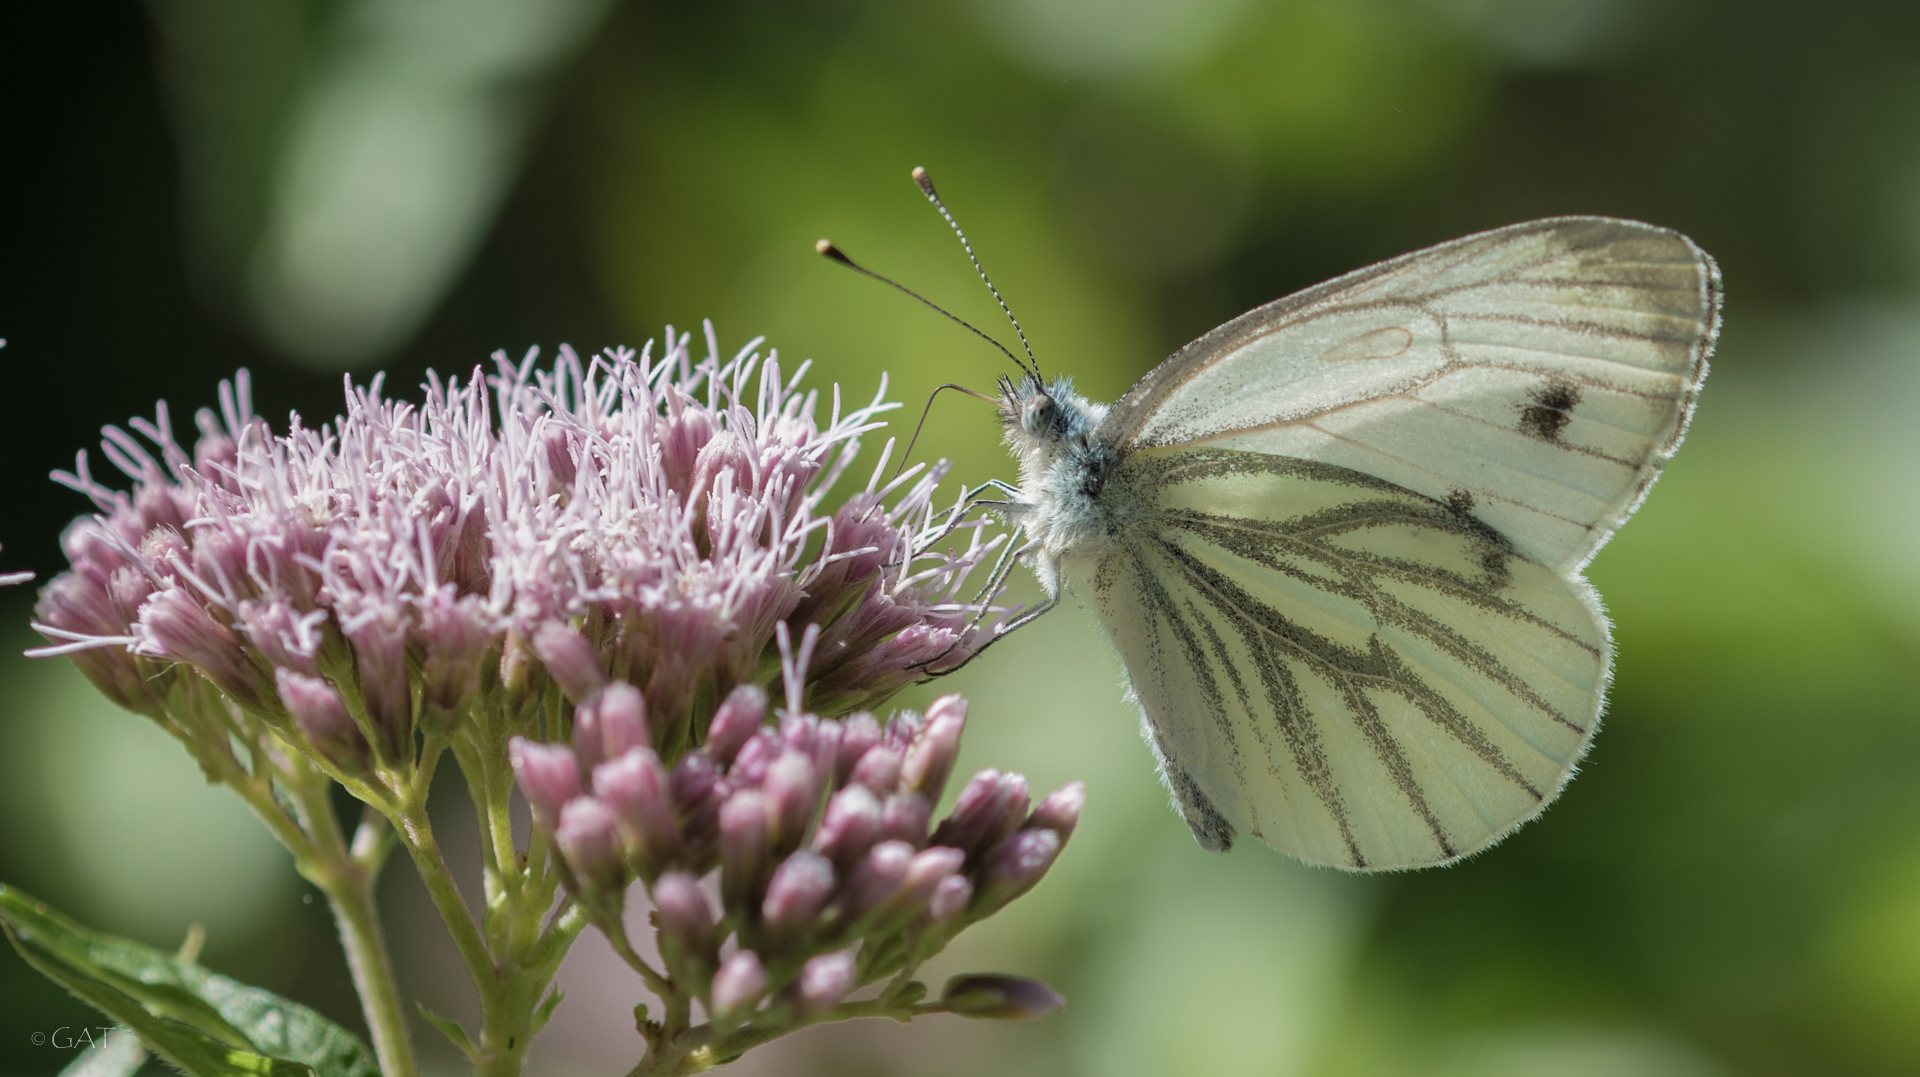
(926,187)
(833,253)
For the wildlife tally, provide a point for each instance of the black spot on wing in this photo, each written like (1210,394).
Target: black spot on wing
(1460,501)
(1551,410)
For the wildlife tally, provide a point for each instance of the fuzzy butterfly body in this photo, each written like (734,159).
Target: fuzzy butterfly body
(1338,541)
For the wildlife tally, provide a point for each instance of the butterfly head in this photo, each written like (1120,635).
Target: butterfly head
(1047,421)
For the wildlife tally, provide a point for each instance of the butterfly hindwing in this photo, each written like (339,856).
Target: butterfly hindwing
(1543,372)
(1358,674)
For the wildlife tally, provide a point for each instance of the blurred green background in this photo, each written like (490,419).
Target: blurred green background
(1732,886)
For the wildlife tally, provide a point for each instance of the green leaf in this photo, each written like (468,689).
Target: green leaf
(174,998)
(452,1031)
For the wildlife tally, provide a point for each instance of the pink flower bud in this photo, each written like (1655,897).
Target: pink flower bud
(323,719)
(609,723)
(589,839)
(697,794)
(999,998)
(738,718)
(825,751)
(849,827)
(825,980)
(797,732)
(991,806)
(570,659)
(743,847)
(549,776)
(792,791)
(929,759)
(1015,865)
(878,876)
(635,787)
(879,770)
(904,818)
(1060,812)
(859,733)
(950,898)
(738,987)
(799,889)
(902,730)
(927,870)
(687,942)
(750,766)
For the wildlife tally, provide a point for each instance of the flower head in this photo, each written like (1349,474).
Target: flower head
(638,530)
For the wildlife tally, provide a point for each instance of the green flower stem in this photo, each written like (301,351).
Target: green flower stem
(346,874)
(509,952)
(416,833)
(697,1050)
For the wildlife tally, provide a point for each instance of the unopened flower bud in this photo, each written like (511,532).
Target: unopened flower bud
(902,729)
(738,987)
(849,827)
(589,838)
(999,998)
(991,806)
(1060,812)
(879,770)
(609,723)
(570,659)
(825,750)
(858,734)
(929,759)
(1015,865)
(635,786)
(797,732)
(792,791)
(549,776)
(743,847)
(686,920)
(799,889)
(878,876)
(825,980)
(950,898)
(324,720)
(927,870)
(738,718)
(755,756)
(904,817)
(697,794)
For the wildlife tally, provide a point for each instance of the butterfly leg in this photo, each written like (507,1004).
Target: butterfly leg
(1049,573)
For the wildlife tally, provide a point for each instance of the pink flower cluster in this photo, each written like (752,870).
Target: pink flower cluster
(377,578)
(831,875)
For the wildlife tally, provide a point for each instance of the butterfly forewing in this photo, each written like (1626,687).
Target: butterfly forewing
(1357,674)
(1537,375)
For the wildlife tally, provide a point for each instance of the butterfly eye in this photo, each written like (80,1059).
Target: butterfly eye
(1037,416)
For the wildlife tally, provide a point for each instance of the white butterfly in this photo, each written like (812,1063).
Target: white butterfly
(1338,541)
